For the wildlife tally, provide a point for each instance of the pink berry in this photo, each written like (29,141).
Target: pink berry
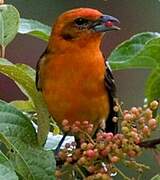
(90,146)
(146,130)
(104,152)
(85,122)
(75,129)
(77,123)
(148,113)
(91,169)
(131,153)
(65,122)
(128,117)
(90,153)
(152,123)
(108,136)
(114,159)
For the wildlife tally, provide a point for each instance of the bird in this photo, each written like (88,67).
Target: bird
(75,79)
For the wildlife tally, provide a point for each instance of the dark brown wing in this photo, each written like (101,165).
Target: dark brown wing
(41,61)
(111,89)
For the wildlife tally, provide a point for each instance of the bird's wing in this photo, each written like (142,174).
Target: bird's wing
(41,60)
(111,89)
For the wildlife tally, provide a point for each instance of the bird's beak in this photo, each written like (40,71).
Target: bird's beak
(105,23)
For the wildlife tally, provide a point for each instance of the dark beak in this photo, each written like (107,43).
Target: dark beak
(105,23)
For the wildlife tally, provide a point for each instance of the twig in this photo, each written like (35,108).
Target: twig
(88,136)
(2,51)
(122,174)
(150,143)
(135,165)
(119,106)
(80,172)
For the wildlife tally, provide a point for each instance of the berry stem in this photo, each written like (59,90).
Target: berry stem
(2,49)
(121,173)
(89,137)
(80,172)
(119,106)
(150,143)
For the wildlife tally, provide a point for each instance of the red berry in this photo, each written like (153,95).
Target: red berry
(114,159)
(89,130)
(108,148)
(90,146)
(137,140)
(108,136)
(91,169)
(85,122)
(66,128)
(90,153)
(148,113)
(77,123)
(141,120)
(75,129)
(131,153)
(152,123)
(65,122)
(104,152)
(99,138)
(135,111)
(145,130)
(128,117)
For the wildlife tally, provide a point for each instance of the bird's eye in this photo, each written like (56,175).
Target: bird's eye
(81,22)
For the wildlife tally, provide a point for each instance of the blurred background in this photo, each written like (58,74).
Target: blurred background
(135,16)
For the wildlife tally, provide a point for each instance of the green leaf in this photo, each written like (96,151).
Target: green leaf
(20,75)
(152,89)
(140,51)
(34,28)
(6,169)
(156,177)
(26,106)
(17,160)
(19,136)
(16,126)
(24,77)
(9,23)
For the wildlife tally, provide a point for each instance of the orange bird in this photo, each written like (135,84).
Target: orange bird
(75,81)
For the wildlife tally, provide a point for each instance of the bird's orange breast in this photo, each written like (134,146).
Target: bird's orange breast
(73,87)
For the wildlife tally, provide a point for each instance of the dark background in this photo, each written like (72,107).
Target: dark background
(135,16)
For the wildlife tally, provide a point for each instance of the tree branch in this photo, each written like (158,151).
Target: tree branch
(150,143)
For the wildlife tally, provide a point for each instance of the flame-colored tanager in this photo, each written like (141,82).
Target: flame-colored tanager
(75,81)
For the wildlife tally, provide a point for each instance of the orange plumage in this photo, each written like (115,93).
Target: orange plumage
(71,72)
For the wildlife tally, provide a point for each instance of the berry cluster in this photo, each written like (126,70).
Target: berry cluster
(77,127)
(95,158)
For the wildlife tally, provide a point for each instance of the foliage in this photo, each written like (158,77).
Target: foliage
(22,152)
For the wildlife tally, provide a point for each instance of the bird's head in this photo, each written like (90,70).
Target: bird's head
(83,23)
